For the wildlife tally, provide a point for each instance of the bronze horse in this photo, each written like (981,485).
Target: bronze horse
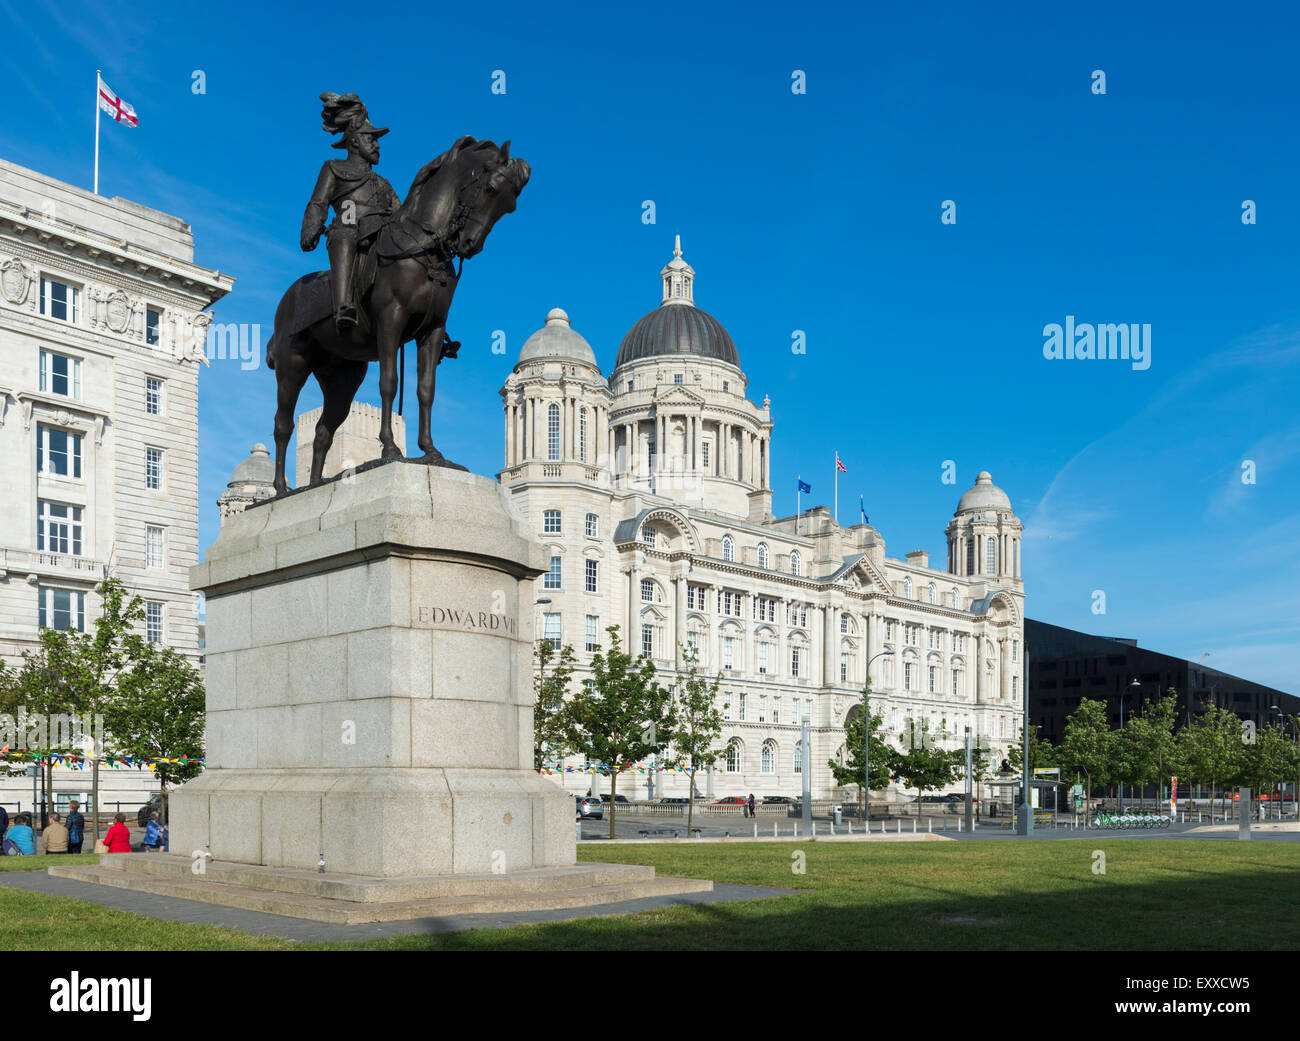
(453,203)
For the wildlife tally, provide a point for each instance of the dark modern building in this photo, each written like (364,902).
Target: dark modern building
(1066,666)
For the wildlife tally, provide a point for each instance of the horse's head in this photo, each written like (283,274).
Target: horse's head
(460,195)
(490,194)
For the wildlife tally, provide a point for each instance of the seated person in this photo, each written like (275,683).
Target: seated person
(55,837)
(22,836)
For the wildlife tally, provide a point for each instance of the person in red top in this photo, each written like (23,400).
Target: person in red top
(118,838)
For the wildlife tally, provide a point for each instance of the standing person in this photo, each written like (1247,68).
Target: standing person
(55,836)
(118,838)
(76,827)
(152,834)
(4,822)
(752,812)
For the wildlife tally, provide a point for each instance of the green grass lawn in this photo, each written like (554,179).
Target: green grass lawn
(1155,895)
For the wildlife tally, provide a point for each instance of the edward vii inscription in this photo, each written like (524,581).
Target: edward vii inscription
(465,619)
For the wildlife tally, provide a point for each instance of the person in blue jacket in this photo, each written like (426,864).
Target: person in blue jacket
(21,834)
(153,834)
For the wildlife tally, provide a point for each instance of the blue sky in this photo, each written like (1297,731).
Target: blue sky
(818,212)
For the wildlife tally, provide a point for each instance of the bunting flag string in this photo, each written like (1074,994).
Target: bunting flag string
(79,761)
(604,769)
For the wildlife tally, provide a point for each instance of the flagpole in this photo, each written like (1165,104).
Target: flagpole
(837,489)
(798,502)
(97,74)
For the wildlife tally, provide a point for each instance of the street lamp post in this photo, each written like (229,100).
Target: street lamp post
(1132,686)
(1025,815)
(866,741)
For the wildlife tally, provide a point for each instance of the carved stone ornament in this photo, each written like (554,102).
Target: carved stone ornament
(14,280)
(839,706)
(117,313)
(195,340)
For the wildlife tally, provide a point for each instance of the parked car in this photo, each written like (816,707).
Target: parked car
(154,805)
(589,807)
(732,800)
(674,802)
(779,800)
(617,798)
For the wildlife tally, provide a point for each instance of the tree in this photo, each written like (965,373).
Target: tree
(549,714)
(1214,747)
(1149,745)
(880,760)
(698,725)
(1265,761)
(159,713)
(623,716)
(922,764)
(1088,744)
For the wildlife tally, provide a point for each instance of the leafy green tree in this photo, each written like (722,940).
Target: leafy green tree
(158,712)
(623,716)
(1265,761)
(922,764)
(880,760)
(1088,744)
(1149,744)
(698,725)
(1214,747)
(550,725)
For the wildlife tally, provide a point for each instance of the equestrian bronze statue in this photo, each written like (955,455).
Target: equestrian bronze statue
(394,267)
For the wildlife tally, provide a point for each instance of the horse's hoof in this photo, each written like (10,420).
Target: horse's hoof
(435,458)
(281,487)
(391,452)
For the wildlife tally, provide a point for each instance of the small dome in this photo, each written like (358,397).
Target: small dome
(258,468)
(556,340)
(985,495)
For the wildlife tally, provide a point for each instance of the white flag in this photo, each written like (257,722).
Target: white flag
(116,107)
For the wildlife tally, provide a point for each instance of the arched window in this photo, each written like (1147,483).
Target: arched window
(553,432)
(582,435)
(762,554)
(907,588)
(954,595)
(769,756)
(733,756)
(798,757)
(934,594)
(728,548)
(796,563)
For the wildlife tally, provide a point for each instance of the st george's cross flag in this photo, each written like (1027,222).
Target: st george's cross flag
(116,107)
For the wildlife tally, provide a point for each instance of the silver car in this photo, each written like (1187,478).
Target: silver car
(589,806)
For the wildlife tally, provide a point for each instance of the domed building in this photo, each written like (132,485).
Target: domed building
(651,490)
(252,481)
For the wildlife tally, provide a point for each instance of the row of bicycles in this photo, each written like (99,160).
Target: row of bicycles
(1125,821)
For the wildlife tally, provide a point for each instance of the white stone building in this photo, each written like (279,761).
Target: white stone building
(652,491)
(103,324)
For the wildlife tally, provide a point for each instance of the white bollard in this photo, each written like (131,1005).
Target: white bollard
(774,833)
(929,825)
(832,827)
(796,831)
(882,827)
(900,825)
(850,827)
(913,825)
(755,831)
(814,829)
(959,823)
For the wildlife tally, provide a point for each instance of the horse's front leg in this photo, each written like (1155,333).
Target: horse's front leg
(429,356)
(388,338)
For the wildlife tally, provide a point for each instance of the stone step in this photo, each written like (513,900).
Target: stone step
(348,912)
(369,889)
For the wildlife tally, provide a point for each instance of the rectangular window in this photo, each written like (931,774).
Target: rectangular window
(593,525)
(591,576)
(551,629)
(647,591)
(648,641)
(794,661)
(1015,650)
(153,546)
(152,325)
(60,374)
(551,580)
(934,679)
(726,704)
(60,300)
(695,598)
(593,628)
(907,675)
(762,708)
(844,668)
(153,391)
(153,468)
(677,377)
(58,452)
(776,709)
(762,657)
(550,522)
(956,693)
(704,454)
(743,700)
(58,528)
(153,621)
(889,630)
(61,609)
(729,653)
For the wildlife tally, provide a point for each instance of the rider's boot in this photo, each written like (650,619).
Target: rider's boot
(343,255)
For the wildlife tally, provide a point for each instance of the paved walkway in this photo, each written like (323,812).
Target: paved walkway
(171,909)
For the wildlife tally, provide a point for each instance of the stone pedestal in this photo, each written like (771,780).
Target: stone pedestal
(369,684)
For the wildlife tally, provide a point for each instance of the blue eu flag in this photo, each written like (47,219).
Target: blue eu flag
(805,487)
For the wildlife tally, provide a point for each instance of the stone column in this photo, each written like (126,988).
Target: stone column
(633,601)
(679,620)
(830,675)
(981,679)
(1004,667)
